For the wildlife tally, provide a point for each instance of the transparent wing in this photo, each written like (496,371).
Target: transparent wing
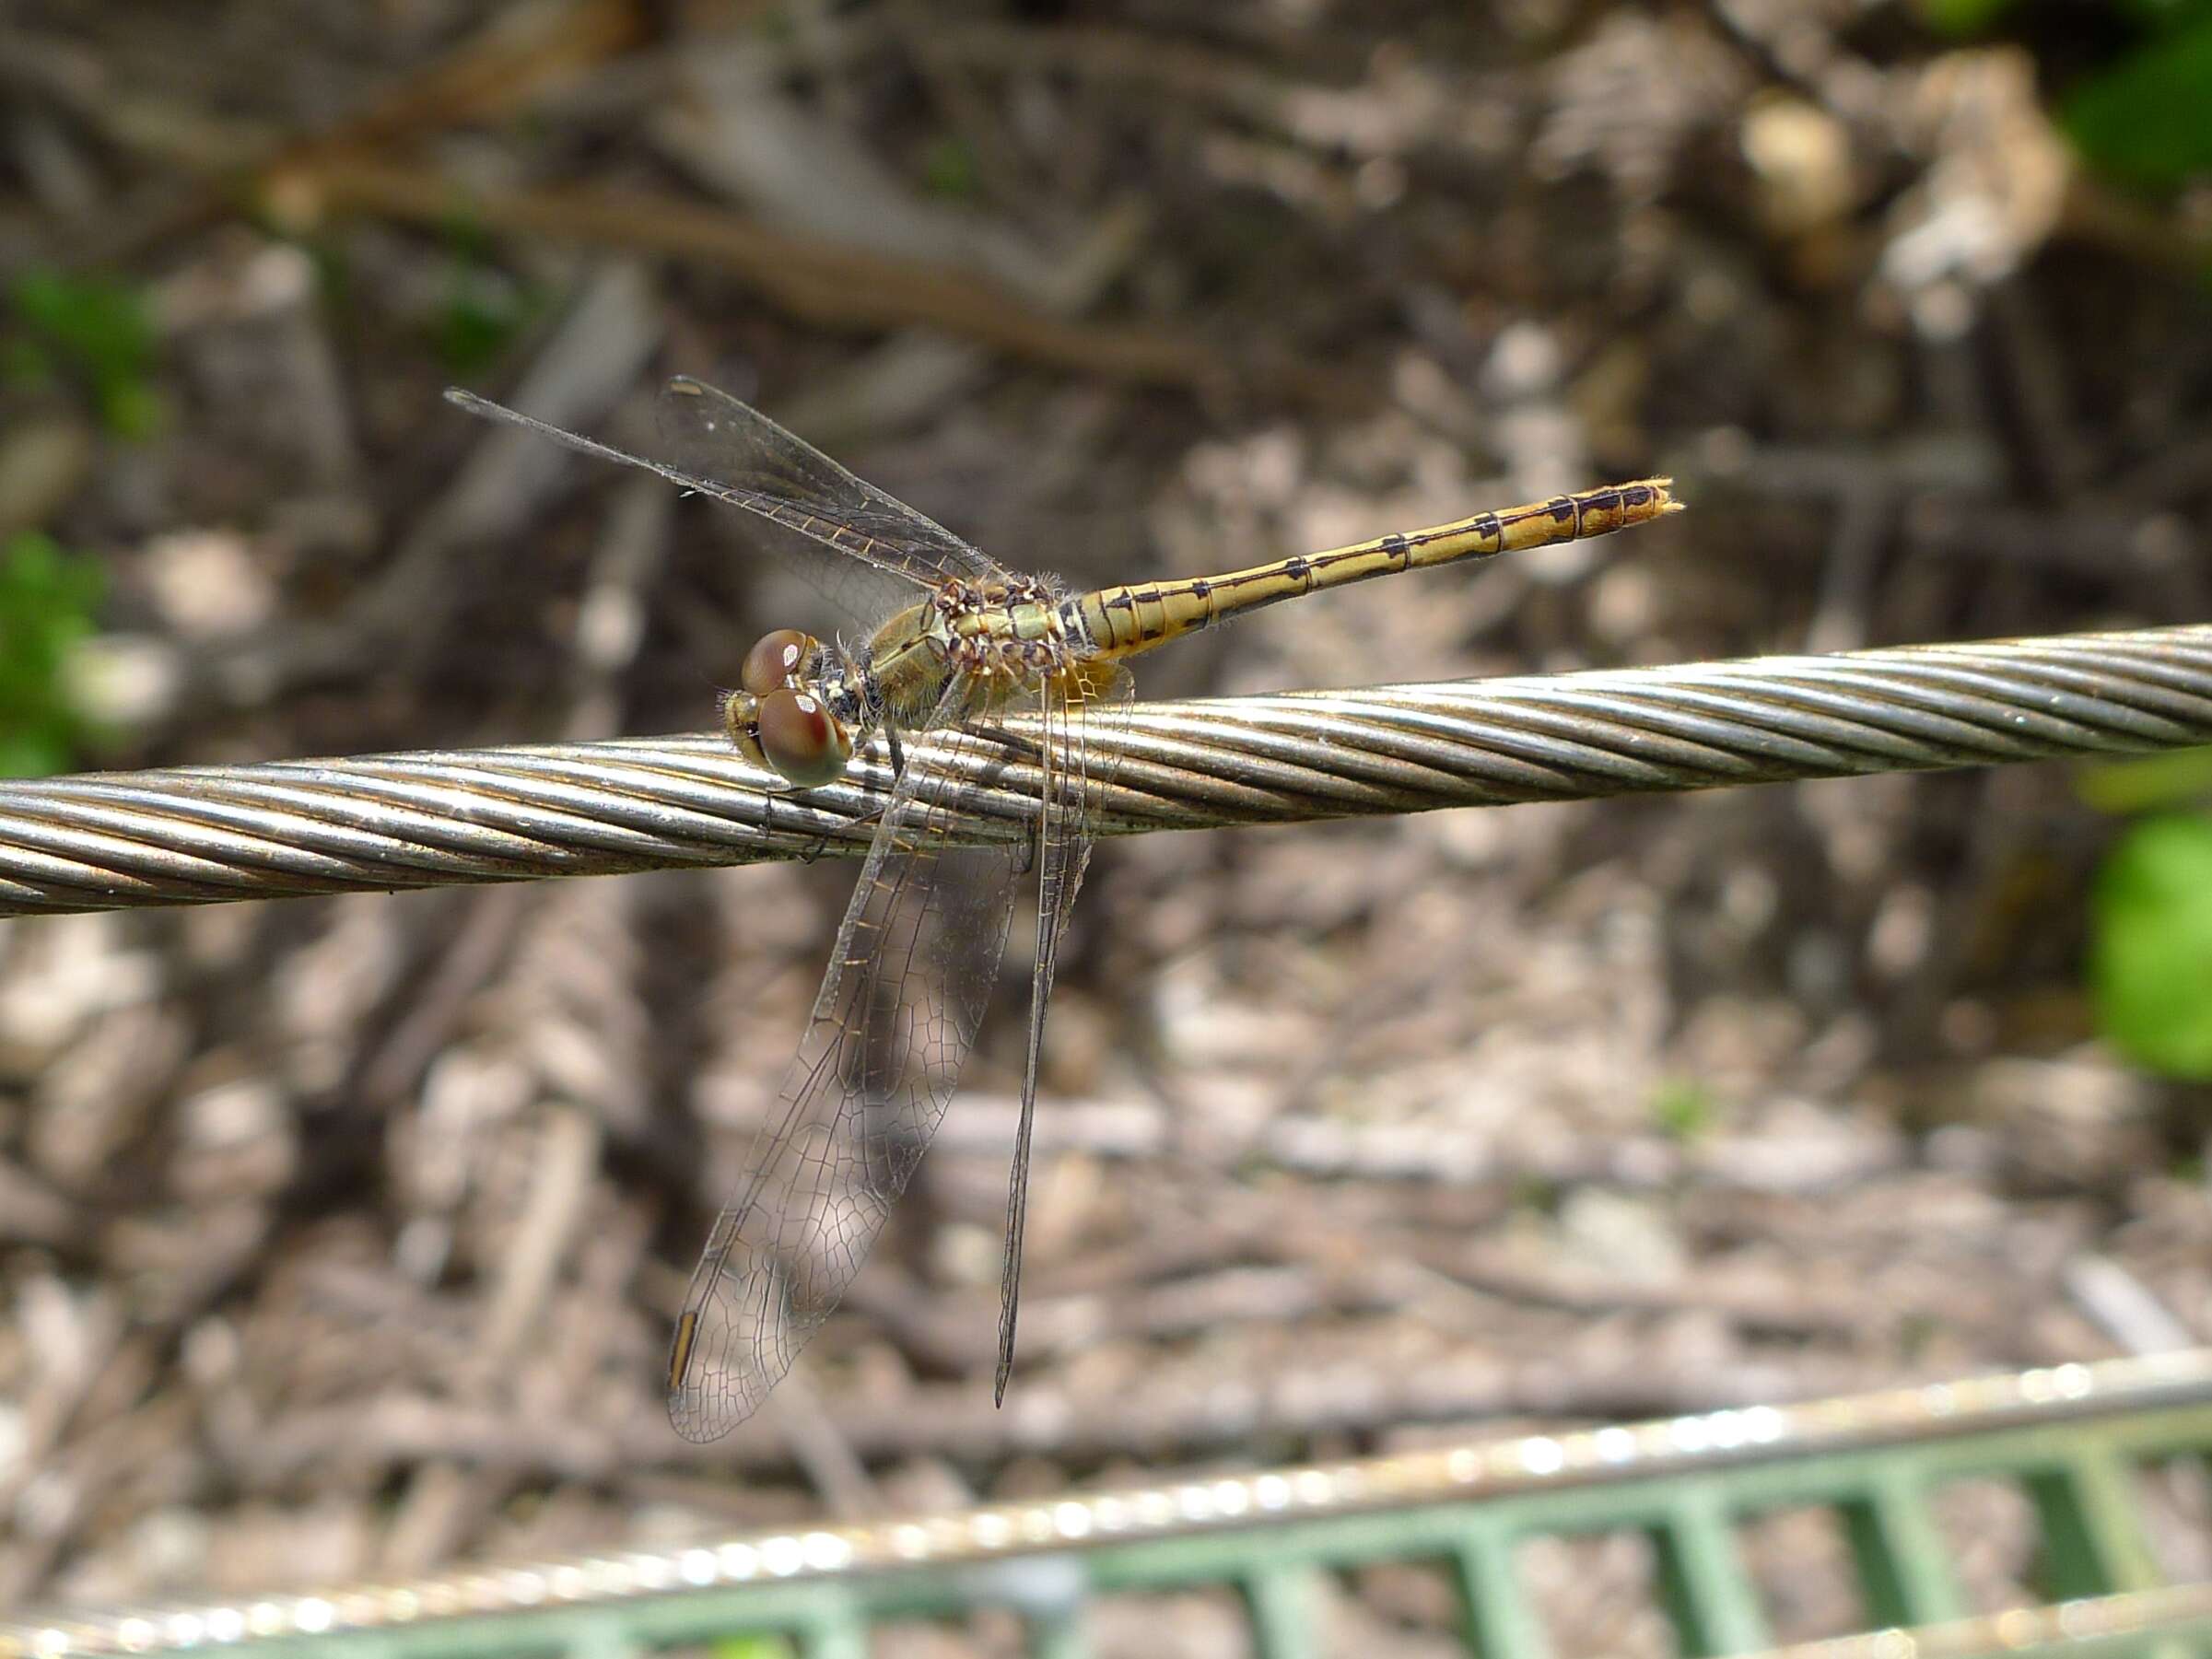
(1076,770)
(735,452)
(721,448)
(907,986)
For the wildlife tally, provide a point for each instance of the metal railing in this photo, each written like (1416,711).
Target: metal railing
(2074,1438)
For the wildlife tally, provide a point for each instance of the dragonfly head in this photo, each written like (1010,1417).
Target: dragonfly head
(778,721)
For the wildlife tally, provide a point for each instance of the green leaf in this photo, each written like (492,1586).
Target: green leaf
(47,598)
(132,409)
(1683,1111)
(1536,1193)
(1964,16)
(753,1647)
(2150,945)
(31,755)
(948,167)
(2147,119)
(24,362)
(100,329)
(2151,783)
(2158,15)
(483,311)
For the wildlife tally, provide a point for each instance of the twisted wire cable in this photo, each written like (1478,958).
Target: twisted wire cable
(206,833)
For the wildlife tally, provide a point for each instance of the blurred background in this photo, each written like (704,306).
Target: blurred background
(341,1238)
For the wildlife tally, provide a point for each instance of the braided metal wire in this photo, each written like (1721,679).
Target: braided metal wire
(199,834)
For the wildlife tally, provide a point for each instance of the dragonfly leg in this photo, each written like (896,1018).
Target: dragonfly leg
(1024,748)
(822,842)
(898,770)
(1028,748)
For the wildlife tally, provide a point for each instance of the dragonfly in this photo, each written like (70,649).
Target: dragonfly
(966,642)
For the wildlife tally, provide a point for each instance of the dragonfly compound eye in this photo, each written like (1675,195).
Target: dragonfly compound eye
(776,660)
(801,739)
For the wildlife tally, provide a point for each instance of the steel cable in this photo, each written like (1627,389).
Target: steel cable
(197,834)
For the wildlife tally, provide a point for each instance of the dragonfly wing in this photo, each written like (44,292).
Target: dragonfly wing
(907,986)
(1075,770)
(739,456)
(721,448)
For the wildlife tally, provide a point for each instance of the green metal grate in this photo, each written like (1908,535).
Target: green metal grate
(2074,1440)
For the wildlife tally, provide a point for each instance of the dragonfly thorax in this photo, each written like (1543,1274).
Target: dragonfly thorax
(1005,637)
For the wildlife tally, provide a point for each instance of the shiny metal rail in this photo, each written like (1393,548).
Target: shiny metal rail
(2074,1428)
(200,835)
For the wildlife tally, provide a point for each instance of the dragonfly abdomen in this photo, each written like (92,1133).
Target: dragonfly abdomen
(1123,620)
